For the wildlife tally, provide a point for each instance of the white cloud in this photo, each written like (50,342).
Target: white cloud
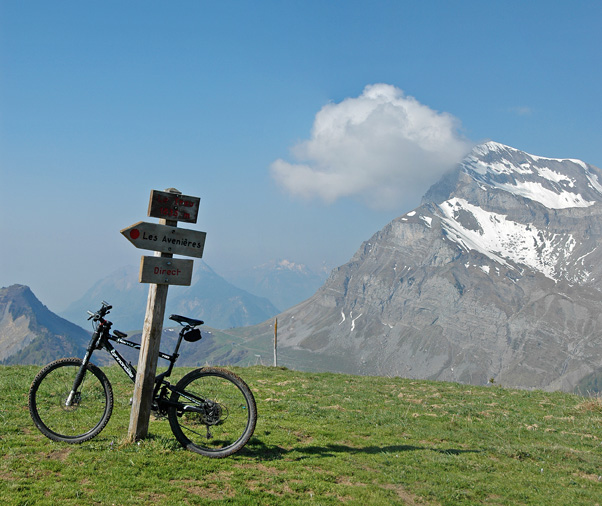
(383,147)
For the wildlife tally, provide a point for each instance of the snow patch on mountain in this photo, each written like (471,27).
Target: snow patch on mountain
(503,240)
(283,265)
(532,177)
(353,321)
(593,181)
(549,198)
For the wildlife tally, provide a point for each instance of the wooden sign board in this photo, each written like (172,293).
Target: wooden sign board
(166,239)
(173,206)
(166,271)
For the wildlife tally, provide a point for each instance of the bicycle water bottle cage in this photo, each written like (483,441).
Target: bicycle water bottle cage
(193,336)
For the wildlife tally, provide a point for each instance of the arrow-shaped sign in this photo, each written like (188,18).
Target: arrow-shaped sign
(166,239)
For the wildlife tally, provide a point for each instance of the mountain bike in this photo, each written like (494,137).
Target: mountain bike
(211,410)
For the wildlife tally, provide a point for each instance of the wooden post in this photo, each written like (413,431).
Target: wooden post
(276,343)
(170,206)
(149,354)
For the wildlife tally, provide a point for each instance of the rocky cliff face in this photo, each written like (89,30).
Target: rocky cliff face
(31,334)
(493,278)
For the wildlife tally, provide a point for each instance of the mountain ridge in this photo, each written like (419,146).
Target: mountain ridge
(210,297)
(481,282)
(38,338)
(283,282)
(31,334)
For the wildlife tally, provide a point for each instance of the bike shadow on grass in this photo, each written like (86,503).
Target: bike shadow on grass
(258,449)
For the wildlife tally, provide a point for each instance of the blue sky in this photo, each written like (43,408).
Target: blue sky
(283,116)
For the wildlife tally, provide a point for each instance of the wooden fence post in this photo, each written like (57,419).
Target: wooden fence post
(276,343)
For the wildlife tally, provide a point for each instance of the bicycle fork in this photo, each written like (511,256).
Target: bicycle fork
(73,397)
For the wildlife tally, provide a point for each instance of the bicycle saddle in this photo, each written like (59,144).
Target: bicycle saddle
(185,319)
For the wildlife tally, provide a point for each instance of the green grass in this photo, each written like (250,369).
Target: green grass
(323,439)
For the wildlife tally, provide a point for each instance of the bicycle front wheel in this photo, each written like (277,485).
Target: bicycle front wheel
(213,412)
(82,418)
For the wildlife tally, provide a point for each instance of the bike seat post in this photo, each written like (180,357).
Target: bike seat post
(180,337)
(176,350)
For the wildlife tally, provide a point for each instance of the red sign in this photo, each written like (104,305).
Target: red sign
(165,271)
(173,206)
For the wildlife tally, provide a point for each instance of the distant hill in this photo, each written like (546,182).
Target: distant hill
(283,282)
(31,334)
(210,298)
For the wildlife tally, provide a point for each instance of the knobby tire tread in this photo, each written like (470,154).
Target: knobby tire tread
(33,401)
(174,419)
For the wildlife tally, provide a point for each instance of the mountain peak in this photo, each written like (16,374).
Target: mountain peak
(552,182)
(19,297)
(488,205)
(31,333)
(491,146)
(283,265)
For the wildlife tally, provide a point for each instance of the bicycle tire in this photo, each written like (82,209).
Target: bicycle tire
(86,417)
(225,415)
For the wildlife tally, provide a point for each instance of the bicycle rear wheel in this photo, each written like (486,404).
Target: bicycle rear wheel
(216,415)
(87,414)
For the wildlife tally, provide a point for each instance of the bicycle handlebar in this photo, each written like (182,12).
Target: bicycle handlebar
(182,320)
(101,313)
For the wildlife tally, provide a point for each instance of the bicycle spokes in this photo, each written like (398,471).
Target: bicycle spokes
(218,414)
(66,415)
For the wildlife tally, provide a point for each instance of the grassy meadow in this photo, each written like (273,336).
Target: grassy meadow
(323,439)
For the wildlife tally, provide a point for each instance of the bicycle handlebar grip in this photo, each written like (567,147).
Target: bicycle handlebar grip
(104,309)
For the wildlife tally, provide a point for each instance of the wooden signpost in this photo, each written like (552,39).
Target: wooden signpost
(160,271)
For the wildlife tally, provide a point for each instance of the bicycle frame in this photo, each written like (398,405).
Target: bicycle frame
(101,339)
(128,368)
